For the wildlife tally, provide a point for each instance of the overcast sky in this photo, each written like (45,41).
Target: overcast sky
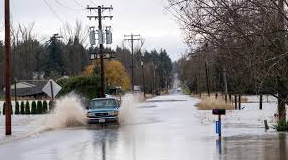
(145,17)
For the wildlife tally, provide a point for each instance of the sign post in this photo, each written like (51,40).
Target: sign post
(51,89)
(219,112)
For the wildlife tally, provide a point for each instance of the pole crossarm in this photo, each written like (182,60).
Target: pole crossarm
(102,7)
(96,17)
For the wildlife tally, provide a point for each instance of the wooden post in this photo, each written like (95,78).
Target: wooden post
(239,101)
(261,100)
(266,124)
(230,97)
(235,101)
(219,120)
(52,91)
(216,95)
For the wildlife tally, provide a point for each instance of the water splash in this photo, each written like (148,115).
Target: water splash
(68,112)
(128,109)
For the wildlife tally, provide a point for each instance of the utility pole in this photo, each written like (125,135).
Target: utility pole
(7,70)
(132,38)
(143,78)
(207,78)
(281,47)
(100,9)
(225,83)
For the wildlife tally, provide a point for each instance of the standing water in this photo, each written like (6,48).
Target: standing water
(68,112)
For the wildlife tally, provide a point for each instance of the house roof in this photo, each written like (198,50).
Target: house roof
(28,88)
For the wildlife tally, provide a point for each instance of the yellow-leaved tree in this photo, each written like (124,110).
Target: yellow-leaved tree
(115,73)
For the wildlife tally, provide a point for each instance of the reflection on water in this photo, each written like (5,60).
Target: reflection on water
(264,147)
(103,144)
(219,146)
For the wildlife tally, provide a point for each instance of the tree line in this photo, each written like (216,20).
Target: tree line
(240,45)
(67,54)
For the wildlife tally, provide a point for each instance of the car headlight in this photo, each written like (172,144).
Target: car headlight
(114,113)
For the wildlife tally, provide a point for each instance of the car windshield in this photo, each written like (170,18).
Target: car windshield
(103,104)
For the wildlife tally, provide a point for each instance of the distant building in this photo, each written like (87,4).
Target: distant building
(29,89)
(137,89)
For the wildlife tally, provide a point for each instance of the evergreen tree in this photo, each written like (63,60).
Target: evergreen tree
(17,108)
(3,108)
(45,107)
(22,108)
(27,108)
(51,105)
(39,107)
(34,108)
(55,64)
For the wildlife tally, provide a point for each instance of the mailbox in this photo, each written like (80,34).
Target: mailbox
(219,111)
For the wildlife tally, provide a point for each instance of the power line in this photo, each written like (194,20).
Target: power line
(93,2)
(50,7)
(79,4)
(66,6)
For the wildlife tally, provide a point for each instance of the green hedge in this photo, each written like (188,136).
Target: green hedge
(17,108)
(51,105)
(39,107)
(45,107)
(3,108)
(34,108)
(27,108)
(22,108)
(86,86)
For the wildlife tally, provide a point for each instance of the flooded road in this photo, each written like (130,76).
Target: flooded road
(165,128)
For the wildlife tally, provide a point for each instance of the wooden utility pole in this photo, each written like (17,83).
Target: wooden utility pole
(100,9)
(207,78)
(132,38)
(235,101)
(281,42)
(143,79)
(7,70)
(225,83)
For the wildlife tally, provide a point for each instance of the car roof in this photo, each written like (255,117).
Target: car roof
(95,99)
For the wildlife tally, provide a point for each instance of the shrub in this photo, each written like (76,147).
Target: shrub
(39,107)
(3,108)
(27,108)
(45,107)
(281,126)
(22,108)
(51,105)
(212,103)
(86,86)
(11,109)
(34,108)
(17,108)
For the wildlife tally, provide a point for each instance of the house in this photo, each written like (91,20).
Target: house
(31,88)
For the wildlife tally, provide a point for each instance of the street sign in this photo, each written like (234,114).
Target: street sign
(51,88)
(219,111)
(218,126)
